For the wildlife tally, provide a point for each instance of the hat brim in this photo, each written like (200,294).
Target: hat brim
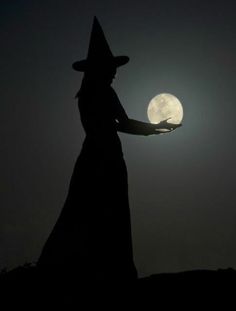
(84,65)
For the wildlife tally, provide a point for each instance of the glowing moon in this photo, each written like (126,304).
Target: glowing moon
(164,106)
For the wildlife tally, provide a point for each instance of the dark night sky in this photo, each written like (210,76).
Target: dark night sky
(181,185)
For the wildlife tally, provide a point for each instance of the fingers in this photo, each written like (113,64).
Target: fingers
(172,125)
(167,126)
(164,130)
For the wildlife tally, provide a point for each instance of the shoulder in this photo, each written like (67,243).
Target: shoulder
(114,96)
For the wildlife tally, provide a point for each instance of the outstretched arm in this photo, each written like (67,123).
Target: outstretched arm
(131,126)
(135,127)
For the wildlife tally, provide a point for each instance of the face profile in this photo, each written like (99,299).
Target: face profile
(108,75)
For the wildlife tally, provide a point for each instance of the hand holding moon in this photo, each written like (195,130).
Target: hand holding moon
(162,108)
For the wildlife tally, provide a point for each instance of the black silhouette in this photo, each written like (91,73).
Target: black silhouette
(92,237)
(23,287)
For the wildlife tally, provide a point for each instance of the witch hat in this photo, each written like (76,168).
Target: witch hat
(99,53)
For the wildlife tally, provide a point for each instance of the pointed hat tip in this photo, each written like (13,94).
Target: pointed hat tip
(99,51)
(95,19)
(96,24)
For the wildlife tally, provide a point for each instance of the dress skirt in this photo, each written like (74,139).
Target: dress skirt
(92,236)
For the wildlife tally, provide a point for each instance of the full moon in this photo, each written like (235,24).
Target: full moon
(165,106)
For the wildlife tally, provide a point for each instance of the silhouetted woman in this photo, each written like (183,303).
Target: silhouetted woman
(92,237)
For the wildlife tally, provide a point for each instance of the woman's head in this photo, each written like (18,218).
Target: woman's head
(97,77)
(101,75)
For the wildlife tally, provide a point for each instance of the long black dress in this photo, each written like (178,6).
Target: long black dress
(92,237)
